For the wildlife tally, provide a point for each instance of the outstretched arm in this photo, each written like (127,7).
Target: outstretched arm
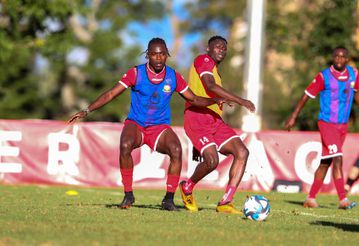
(212,87)
(291,120)
(103,99)
(200,101)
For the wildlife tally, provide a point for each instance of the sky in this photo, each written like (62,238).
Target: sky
(140,33)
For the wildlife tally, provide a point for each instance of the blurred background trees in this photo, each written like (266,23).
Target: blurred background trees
(57,56)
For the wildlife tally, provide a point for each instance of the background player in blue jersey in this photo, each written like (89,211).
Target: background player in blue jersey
(336,86)
(152,85)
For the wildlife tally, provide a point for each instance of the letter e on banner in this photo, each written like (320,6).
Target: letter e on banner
(7,167)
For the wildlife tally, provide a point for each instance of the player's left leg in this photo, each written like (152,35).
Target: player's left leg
(239,151)
(344,202)
(168,143)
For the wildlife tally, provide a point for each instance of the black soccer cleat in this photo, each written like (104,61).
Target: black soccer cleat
(169,205)
(127,201)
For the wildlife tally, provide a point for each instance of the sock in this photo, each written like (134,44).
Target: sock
(228,195)
(127,177)
(339,185)
(172,182)
(188,186)
(317,184)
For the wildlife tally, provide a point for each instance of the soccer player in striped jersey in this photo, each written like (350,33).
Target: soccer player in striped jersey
(336,86)
(152,86)
(207,130)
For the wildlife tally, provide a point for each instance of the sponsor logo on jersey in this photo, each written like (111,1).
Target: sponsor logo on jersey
(166,88)
(352,84)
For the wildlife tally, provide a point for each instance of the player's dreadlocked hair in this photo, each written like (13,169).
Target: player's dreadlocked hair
(213,38)
(156,41)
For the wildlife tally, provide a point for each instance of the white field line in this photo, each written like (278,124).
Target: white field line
(316,215)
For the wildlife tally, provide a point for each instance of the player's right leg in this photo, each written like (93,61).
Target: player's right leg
(235,147)
(130,139)
(210,163)
(319,176)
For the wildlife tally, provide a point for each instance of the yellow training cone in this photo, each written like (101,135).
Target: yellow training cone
(72,193)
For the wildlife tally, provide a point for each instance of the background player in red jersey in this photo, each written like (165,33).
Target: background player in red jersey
(152,85)
(207,130)
(336,86)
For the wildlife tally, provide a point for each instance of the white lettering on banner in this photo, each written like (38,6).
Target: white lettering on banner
(68,157)
(258,166)
(9,167)
(306,171)
(150,165)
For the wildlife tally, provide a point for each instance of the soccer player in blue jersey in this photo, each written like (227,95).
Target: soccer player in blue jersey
(152,86)
(336,86)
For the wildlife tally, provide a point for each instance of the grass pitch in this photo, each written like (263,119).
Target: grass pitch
(35,215)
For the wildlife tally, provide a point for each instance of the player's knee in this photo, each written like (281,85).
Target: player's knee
(126,147)
(242,153)
(211,162)
(175,151)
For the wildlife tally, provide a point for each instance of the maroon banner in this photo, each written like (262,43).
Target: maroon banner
(86,154)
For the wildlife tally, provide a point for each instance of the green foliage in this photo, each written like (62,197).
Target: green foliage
(52,30)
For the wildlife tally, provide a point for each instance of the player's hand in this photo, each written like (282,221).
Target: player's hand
(77,116)
(290,123)
(220,101)
(249,105)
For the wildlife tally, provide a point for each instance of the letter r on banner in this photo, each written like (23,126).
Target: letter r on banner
(68,158)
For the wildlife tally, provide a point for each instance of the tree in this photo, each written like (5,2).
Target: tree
(49,32)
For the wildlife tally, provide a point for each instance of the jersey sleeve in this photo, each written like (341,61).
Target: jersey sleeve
(129,78)
(316,86)
(181,83)
(204,64)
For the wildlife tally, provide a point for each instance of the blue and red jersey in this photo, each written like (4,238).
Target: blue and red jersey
(151,94)
(336,93)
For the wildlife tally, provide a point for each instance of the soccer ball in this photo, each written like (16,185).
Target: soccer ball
(256,208)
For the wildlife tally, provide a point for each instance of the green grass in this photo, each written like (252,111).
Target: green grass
(34,215)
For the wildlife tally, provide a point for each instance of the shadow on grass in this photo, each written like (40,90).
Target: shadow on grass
(342,226)
(149,206)
(300,203)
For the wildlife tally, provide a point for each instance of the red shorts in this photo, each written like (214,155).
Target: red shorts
(333,136)
(205,128)
(150,134)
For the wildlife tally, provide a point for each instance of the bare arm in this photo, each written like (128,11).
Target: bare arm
(291,120)
(212,87)
(102,100)
(356,97)
(200,101)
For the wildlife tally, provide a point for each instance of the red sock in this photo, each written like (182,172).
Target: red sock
(228,196)
(172,182)
(317,184)
(188,186)
(127,177)
(339,185)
